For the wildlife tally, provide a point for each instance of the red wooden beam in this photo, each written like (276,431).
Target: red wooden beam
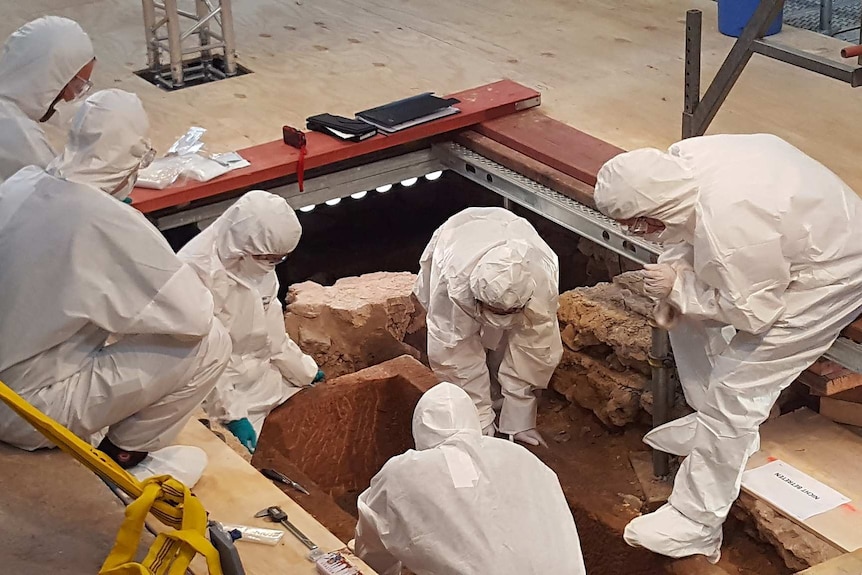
(554,143)
(276,159)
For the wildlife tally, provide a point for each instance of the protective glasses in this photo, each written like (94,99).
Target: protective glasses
(270,258)
(80,88)
(642,226)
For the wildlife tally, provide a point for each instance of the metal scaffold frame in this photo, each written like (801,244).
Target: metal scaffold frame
(193,51)
(699,112)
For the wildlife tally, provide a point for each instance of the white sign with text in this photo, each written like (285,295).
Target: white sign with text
(791,491)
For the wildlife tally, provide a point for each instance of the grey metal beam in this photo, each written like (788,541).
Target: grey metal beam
(323,188)
(817,64)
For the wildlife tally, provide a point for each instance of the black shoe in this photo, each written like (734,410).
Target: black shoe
(125,459)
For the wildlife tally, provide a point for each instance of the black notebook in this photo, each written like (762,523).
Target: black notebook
(409,112)
(341,127)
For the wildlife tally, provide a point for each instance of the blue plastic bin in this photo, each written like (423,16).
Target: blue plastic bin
(733,15)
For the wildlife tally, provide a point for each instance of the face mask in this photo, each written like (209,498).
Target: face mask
(254,270)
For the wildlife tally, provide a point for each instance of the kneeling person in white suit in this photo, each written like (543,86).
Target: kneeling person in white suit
(489,282)
(236,258)
(464,503)
(79,266)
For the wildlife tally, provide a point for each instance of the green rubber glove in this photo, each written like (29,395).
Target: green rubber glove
(243,430)
(319,377)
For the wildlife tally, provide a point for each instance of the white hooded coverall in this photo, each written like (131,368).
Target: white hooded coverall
(79,265)
(465,504)
(37,62)
(766,240)
(493,256)
(266,367)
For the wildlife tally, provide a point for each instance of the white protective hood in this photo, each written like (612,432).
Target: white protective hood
(441,413)
(266,366)
(457,506)
(502,276)
(649,183)
(39,59)
(107,141)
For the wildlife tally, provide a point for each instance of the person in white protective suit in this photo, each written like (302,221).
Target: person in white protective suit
(235,257)
(465,504)
(489,282)
(43,63)
(761,272)
(80,266)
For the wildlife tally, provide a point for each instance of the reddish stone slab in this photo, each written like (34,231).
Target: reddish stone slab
(553,143)
(277,160)
(854,331)
(339,434)
(527,166)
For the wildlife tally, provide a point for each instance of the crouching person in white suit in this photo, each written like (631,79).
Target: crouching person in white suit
(79,265)
(465,504)
(236,257)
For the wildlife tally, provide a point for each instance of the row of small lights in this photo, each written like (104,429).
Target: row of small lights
(381,190)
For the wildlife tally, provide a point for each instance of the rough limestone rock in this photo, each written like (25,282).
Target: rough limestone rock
(607,335)
(614,396)
(357,322)
(798,548)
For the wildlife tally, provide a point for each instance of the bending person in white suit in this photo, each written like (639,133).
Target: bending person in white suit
(762,271)
(489,282)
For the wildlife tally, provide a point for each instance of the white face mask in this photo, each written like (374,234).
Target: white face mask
(254,270)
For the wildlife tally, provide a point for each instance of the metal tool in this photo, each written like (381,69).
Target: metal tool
(282,478)
(277,515)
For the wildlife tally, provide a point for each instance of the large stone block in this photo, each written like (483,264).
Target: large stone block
(337,435)
(357,322)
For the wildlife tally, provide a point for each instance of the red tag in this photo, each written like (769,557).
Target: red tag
(296,139)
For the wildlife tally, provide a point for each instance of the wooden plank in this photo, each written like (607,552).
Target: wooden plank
(847,564)
(854,395)
(523,164)
(846,412)
(277,160)
(829,385)
(551,142)
(233,491)
(854,331)
(829,453)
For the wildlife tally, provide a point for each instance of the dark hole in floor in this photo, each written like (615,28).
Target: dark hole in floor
(196,72)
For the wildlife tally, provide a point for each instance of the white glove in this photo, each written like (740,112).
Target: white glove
(490,430)
(665,315)
(530,437)
(658,280)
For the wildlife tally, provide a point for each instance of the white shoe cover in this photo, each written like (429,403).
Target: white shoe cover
(669,532)
(182,462)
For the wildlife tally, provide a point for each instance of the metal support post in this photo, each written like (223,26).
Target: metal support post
(662,394)
(175,47)
(228,37)
(204,31)
(150,35)
(826,17)
(693,27)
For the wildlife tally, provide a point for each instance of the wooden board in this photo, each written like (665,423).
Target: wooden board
(551,142)
(847,564)
(831,384)
(233,491)
(846,412)
(827,452)
(277,159)
(523,164)
(854,331)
